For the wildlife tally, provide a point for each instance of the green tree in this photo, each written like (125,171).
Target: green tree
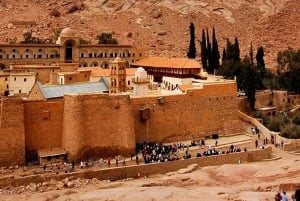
(203,51)
(260,61)
(215,52)
(208,54)
(246,78)
(106,38)
(192,48)
(251,54)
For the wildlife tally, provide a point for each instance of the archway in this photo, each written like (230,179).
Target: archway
(69,51)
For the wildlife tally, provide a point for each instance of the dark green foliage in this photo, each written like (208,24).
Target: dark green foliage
(84,41)
(192,48)
(260,68)
(230,60)
(203,50)
(260,61)
(296,119)
(288,60)
(246,78)
(106,38)
(244,71)
(215,52)
(30,39)
(291,131)
(210,55)
(251,55)
(237,51)
(289,70)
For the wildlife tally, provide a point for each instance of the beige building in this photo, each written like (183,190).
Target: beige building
(21,82)
(67,49)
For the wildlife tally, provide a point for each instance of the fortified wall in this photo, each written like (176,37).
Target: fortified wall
(89,126)
(195,115)
(97,125)
(12,136)
(43,125)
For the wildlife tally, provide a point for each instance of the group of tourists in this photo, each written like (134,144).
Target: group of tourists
(156,152)
(283,196)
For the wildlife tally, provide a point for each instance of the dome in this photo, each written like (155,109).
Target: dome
(140,69)
(67,32)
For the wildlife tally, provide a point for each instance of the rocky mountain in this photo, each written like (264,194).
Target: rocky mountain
(161,26)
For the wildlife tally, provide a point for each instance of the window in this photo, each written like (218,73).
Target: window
(5,79)
(128,83)
(70,78)
(15,79)
(81,55)
(1,56)
(13,56)
(20,91)
(25,79)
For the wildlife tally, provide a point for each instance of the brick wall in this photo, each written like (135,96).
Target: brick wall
(12,136)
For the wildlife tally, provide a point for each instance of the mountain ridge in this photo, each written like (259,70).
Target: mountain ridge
(162,26)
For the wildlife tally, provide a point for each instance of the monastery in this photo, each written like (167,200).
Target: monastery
(66,115)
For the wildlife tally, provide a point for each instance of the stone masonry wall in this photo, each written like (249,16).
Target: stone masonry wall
(132,171)
(43,125)
(97,125)
(197,114)
(12,136)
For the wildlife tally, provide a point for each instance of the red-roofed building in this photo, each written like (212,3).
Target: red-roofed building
(171,67)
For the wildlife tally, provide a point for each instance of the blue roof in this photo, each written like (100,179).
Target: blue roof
(57,91)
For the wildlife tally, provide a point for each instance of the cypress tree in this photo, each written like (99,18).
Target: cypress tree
(192,48)
(251,54)
(208,54)
(223,55)
(260,61)
(203,51)
(237,57)
(215,52)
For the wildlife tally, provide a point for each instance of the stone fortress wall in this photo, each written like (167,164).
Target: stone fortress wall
(12,134)
(90,125)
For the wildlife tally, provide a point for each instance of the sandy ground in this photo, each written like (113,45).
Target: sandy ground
(239,182)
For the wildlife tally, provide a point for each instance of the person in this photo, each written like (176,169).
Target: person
(284,197)
(44,166)
(137,159)
(124,163)
(278,196)
(297,193)
(108,162)
(81,164)
(73,164)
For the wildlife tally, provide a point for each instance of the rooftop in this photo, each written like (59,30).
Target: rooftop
(163,62)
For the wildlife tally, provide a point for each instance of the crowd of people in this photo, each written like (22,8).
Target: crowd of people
(155,152)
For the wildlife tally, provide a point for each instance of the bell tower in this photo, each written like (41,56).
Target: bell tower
(117,76)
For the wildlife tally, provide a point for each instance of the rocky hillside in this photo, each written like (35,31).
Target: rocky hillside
(161,26)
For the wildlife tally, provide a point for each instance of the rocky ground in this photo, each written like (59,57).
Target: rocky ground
(232,182)
(238,182)
(160,26)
